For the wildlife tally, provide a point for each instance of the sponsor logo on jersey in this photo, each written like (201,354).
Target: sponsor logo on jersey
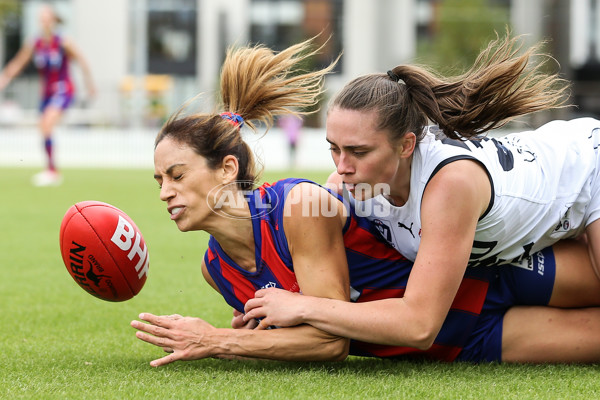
(526,154)
(269,285)
(525,263)
(564,224)
(384,231)
(540,262)
(408,228)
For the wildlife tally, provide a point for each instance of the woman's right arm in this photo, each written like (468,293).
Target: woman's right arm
(455,198)
(16,65)
(317,248)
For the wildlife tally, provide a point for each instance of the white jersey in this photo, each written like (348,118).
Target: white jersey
(544,188)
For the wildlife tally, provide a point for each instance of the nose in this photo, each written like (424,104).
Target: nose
(344,164)
(166,192)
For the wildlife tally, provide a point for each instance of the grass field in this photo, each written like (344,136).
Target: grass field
(58,342)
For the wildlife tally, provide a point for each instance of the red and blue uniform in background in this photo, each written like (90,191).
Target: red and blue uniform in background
(377,271)
(52,62)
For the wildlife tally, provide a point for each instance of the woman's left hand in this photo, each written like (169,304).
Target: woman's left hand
(276,307)
(185,338)
(237,321)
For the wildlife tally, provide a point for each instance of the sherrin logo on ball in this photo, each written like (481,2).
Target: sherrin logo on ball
(104,251)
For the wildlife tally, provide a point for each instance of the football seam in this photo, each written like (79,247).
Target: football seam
(104,245)
(64,225)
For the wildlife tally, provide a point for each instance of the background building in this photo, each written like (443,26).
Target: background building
(149,56)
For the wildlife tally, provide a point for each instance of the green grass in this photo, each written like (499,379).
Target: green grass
(59,342)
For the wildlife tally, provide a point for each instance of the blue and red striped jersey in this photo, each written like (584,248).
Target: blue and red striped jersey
(377,271)
(52,62)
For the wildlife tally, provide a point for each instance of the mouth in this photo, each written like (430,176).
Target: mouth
(360,191)
(175,211)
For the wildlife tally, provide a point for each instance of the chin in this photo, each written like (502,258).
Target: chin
(364,198)
(364,193)
(182,228)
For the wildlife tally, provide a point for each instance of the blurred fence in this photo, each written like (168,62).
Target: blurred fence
(21,146)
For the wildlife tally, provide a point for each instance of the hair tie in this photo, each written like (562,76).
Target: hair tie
(393,76)
(234,119)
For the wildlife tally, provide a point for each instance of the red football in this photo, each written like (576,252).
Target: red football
(104,250)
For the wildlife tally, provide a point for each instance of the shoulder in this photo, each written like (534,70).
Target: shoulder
(66,43)
(308,201)
(307,192)
(430,152)
(335,182)
(459,183)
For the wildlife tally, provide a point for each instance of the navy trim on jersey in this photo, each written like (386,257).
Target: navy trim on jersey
(465,157)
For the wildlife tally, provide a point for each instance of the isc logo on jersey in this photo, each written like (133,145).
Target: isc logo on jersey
(540,262)
(123,237)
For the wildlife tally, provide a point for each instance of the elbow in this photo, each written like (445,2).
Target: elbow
(336,350)
(418,333)
(342,350)
(424,336)
(424,343)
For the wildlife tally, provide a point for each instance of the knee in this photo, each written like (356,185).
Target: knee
(45,126)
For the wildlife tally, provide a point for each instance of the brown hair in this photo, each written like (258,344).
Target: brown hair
(258,84)
(57,19)
(500,86)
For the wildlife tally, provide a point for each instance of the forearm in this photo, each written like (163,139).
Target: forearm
(388,321)
(12,69)
(8,74)
(87,76)
(16,65)
(300,343)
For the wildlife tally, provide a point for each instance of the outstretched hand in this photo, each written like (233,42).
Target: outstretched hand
(183,337)
(276,307)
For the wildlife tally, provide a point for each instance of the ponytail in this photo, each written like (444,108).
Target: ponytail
(257,84)
(500,86)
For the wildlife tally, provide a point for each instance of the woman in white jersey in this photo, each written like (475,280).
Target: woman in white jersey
(459,200)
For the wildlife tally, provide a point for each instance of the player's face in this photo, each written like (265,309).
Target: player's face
(47,19)
(363,155)
(185,182)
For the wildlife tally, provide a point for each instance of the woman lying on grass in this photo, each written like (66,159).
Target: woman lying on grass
(298,236)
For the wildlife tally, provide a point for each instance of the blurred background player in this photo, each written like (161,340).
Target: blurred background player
(51,54)
(291,124)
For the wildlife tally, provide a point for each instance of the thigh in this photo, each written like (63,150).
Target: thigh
(50,118)
(576,283)
(592,233)
(540,334)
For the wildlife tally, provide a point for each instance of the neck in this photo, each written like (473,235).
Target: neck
(236,238)
(400,187)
